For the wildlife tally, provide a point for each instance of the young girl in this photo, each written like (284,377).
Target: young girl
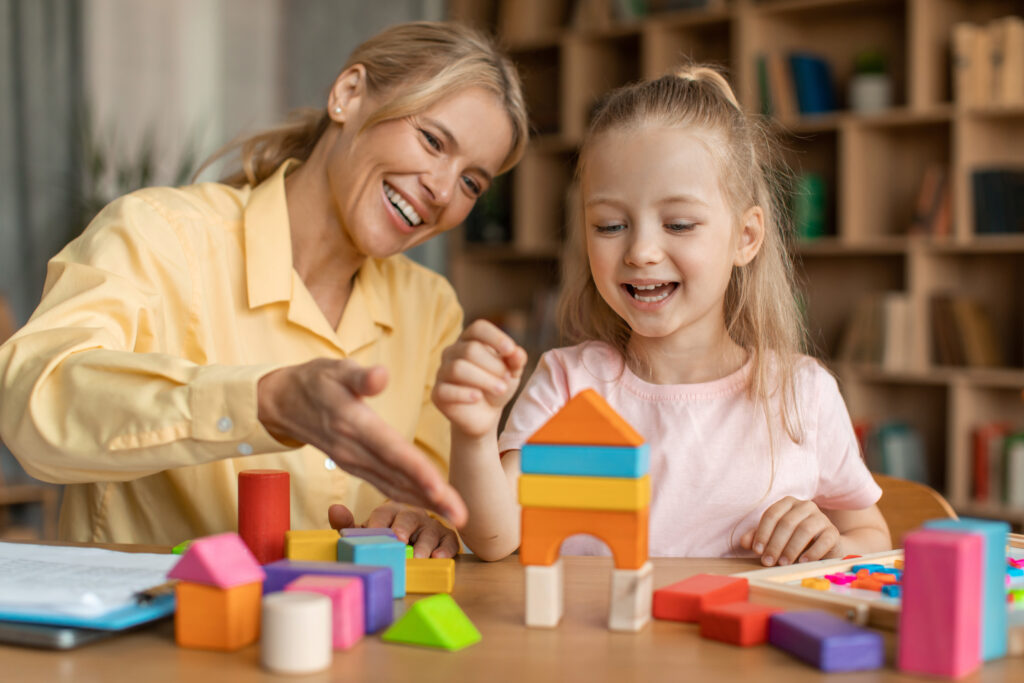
(686,323)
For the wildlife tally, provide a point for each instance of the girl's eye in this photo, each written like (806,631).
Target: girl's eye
(608,229)
(431,140)
(474,186)
(680,227)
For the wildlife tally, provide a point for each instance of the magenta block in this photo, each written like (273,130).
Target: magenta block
(940,617)
(346,605)
(223,560)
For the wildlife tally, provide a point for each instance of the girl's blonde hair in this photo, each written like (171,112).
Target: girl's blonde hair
(411,67)
(761,311)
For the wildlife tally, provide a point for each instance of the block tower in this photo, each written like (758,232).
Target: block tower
(586,472)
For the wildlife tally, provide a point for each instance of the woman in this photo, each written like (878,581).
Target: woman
(270,320)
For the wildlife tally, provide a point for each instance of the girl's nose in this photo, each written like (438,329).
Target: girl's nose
(643,250)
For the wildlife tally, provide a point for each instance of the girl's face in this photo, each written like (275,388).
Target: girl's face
(403,181)
(661,239)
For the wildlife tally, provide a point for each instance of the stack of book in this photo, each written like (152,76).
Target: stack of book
(880,331)
(894,448)
(988,62)
(998,200)
(964,333)
(795,83)
(997,464)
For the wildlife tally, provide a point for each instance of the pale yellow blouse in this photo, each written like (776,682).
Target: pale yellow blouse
(135,380)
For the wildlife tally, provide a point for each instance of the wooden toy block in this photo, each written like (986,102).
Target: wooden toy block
(884,578)
(222,560)
(545,596)
(367,531)
(347,621)
(898,564)
(686,600)
(296,632)
(826,641)
(436,621)
(410,552)
(940,619)
(316,545)
(623,531)
(993,592)
(630,603)
(739,623)
(586,461)
(867,584)
(584,493)
(817,584)
(181,547)
(264,512)
(213,618)
(378,551)
(429,575)
(587,419)
(378,608)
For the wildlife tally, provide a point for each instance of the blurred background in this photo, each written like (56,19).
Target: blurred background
(903,121)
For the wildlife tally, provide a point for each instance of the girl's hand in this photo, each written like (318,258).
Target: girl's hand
(479,374)
(793,530)
(413,526)
(321,403)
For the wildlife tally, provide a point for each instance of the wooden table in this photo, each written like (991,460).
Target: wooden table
(580,649)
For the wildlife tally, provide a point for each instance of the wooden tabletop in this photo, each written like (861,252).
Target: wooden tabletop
(581,648)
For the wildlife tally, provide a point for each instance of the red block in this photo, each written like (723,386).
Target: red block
(689,598)
(739,623)
(264,512)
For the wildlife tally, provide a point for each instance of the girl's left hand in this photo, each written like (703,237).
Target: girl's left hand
(793,530)
(412,525)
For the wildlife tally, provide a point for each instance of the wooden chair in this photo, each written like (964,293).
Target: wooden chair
(906,505)
(21,494)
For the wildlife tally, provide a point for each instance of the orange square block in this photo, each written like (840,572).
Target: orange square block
(212,618)
(739,623)
(688,599)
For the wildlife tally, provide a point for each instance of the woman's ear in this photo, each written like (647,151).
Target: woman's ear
(751,236)
(347,93)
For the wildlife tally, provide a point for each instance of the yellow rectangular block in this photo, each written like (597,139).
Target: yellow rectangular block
(429,575)
(588,493)
(318,545)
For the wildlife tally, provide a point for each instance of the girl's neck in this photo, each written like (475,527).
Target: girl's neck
(661,361)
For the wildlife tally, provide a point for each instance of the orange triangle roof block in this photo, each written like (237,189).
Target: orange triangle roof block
(587,420)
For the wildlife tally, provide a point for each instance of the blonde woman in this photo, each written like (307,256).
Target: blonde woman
(270,320)
(678,296)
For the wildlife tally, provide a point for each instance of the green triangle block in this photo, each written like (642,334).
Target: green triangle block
(436,621)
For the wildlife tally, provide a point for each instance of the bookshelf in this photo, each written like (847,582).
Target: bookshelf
(872,165)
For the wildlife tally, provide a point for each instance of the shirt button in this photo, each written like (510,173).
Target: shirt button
(225,424)
(330,464)
(244,449)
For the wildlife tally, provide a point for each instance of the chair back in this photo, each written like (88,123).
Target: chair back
(906,505)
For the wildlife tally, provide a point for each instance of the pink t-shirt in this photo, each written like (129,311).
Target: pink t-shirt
(711,465)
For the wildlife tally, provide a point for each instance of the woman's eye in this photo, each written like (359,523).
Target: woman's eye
(607,229)
(474,186)
(431,140)
(680,227)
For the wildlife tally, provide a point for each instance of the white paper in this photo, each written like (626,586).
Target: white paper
(82,582)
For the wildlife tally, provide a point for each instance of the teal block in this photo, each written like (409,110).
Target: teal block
(586,461)
(377,551)
(993,588)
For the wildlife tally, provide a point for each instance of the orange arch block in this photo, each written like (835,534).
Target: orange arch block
(588,420)
(544,529)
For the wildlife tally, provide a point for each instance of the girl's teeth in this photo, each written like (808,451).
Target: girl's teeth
(651,299)
(403,206)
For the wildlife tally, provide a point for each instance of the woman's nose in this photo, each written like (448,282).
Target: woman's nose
(440,183)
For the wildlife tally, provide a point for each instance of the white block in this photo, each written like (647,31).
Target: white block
(545,594)
(296,636)
(630,604)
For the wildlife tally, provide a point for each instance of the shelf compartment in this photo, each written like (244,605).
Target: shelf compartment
(541,186)
(540,72)
(983,141)
(669,41)
(593,66)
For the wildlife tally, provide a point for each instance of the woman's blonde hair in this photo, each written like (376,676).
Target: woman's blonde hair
(410,67)
(761,310)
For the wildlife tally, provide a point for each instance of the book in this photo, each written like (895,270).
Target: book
(969,59)
(897,349)
(947,346)
(1014,470)
(998,199)
(986,460)
(780,84)
(900,451)
(812,80)
(809,205)
(977,332)
(1008,60)
(931,208)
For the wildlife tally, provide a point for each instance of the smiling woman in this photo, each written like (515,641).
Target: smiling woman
(270,320)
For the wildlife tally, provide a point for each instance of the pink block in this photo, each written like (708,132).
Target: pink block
(940,618)
(841,579)
(346,596)
(223,560)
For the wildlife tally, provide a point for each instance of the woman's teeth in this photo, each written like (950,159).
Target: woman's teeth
(663,291)
(404,209)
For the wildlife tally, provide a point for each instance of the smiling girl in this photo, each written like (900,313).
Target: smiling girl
(679,298)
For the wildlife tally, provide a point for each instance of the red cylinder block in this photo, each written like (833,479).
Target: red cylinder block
(264,512)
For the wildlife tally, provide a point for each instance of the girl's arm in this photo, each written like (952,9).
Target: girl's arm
(479,374)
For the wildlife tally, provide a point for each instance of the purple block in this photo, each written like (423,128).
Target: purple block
(826,641)
(377,608)
(367,531)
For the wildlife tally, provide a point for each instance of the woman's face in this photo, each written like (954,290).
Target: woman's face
(401,182)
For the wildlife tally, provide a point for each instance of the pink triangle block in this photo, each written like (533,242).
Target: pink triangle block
(222,560)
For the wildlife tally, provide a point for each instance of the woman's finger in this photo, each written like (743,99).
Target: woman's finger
(340,517)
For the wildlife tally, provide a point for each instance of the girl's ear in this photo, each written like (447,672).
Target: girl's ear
(347,93)
(751,236)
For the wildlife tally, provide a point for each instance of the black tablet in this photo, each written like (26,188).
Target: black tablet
(49,637)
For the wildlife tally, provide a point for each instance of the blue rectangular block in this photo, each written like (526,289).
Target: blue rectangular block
(993,571)
(377,602)
(586,461)
(379,551)
(826,641)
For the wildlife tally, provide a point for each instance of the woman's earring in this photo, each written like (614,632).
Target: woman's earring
(337,110)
